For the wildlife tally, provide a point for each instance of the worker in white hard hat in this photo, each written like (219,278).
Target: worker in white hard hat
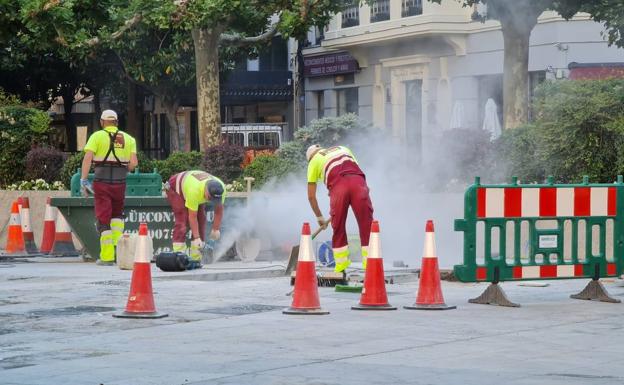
(346,182)
(113,154)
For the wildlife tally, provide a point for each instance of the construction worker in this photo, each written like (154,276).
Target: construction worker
(113,154)
(346,182)
(187,193)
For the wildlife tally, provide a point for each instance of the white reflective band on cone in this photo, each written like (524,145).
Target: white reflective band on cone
(26,220)
(15,220)
(305,249)
(141,253)
(50,213)
(374,246)
(61,224)
(430,249)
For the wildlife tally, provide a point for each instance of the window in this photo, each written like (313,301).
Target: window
(347,101)
(320,104)
(274,57)
(264,139)
(234,138)
(351,15)
(380,11)
(411,8)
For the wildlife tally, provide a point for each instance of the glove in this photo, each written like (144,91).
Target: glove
(86,188)
(215,235)
(322,222)
(197,244)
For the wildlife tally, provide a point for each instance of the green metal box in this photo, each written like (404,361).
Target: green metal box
(137,184)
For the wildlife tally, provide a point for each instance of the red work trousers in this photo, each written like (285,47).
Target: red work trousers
(180,213)
(350,190)
(109,202)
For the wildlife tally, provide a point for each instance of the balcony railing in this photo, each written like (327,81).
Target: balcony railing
(351,16)
(411,8)
(380,11)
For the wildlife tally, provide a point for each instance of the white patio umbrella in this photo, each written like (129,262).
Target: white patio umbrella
(490,119)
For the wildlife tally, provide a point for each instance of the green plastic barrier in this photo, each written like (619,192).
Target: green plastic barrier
(137,184)
(155,211)
(516,232)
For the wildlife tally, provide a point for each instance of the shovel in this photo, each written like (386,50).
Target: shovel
(294,253)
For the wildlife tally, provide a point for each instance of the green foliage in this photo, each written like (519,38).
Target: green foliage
(44,163)
(178,162)
(266,167)
(8,99)
(224,161)
(290,157)
(517,148)
(71,166)
(20,129)
(294,153)
(330,130)
(146,164)
(579,130)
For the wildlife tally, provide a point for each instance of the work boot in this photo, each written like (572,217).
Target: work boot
(99,262)
(117,229)
(107,249)
(340,267)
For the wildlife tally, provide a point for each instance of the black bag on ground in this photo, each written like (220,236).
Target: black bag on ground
(170,261)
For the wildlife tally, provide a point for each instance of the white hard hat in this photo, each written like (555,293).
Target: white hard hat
(108,115)
(311,151)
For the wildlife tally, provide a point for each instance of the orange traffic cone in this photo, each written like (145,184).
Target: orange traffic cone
(374,296)
(15,239)
(63,245)
(429,295)
(141,298)
(27,231)
(305,296)
(49,228)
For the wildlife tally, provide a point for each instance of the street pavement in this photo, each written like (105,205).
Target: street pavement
(56,327)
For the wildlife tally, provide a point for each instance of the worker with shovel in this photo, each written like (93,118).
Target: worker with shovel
(346,182)
(187,193)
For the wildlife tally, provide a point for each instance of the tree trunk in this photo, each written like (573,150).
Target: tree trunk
(515,75)
(97,112)
(206,42)
(68,94)
(171,112)
(133,120)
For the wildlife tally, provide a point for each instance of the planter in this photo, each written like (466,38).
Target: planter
(37,200)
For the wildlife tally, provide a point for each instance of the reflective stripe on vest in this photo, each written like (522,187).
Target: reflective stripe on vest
(334,161)
(110,171)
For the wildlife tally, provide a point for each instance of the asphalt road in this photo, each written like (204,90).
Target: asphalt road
(56,328)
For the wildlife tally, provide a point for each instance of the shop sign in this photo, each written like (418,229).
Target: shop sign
(330,64)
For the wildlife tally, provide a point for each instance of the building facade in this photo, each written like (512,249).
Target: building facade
(416,68)
(256,92)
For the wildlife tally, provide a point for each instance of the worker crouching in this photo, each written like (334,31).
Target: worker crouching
(187,193)
(346,182)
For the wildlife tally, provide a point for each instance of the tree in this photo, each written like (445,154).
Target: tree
(160,61)
(217,23)
(517,19)
(38,62)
